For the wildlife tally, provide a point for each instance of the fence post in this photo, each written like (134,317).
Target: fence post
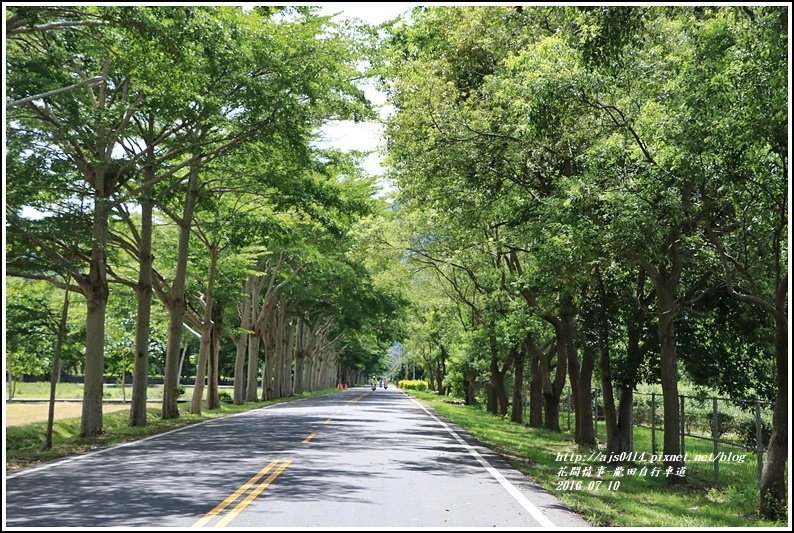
(569,411)
(595,412)
(683,427)
(716,436)
(653,423)
(759,445)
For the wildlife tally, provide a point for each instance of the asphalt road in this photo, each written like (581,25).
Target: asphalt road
(356,458)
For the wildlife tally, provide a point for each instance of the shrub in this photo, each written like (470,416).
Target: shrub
(225,397)
(747,433)
(413,384)
(725,423)
(180,391)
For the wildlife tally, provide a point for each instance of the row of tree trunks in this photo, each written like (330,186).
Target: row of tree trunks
(496,401)
(298,356)
(619,418)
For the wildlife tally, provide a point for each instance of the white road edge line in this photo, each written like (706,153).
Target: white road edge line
(536,513)
(134,442)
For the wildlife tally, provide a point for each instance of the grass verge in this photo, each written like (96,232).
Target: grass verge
(640,501)
(23,443)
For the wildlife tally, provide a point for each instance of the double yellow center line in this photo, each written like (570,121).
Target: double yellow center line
(329,420)
(357,398)
(245,502)
(242,490)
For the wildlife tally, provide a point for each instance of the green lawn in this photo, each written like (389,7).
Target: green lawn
(70,391)
(23,443)
(639,501)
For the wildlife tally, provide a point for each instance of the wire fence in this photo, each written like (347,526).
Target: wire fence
(723,439)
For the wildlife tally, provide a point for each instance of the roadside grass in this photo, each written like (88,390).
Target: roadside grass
(23,443)
(41,389)
(640,501)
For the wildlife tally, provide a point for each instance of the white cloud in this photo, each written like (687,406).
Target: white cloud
(348,135)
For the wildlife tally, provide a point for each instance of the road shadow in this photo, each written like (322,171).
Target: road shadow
(360,438)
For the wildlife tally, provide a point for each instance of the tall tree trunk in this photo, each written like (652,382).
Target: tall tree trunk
(619,419)
(289,359)
(140,373)
(241,343)
(11,379)
(470,394)
(213,398)
(206,333)
(269,365)
(552,390)
(565,328)
(498,393)
(586,435)
(517,415)
(266,390)
(176,309)
(608,395)
(299,357)
(183,351)
(501,393)
(253,364)
(535,384)
(491,404)
(666,280)
(201,369)
(97,296)
(773,477)
(241,346)
(442,370)
(551,406)
(284,370)
(308,369)
(669,379)
(279,355)
(431,380)
(56,362)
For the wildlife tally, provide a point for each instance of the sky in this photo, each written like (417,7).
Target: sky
(366,136)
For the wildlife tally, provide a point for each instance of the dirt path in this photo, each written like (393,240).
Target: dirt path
(19,414)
